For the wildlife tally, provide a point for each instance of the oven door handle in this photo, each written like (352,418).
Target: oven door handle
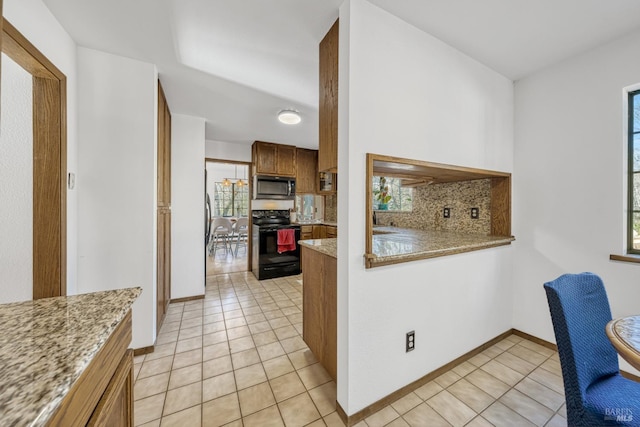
(279,266)
(288,188)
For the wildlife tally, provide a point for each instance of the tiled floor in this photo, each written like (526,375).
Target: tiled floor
(226,262)
(237,358)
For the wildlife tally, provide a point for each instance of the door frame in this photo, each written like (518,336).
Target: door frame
(49,163)
(249,166)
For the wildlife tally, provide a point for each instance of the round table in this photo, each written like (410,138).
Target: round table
(624,334)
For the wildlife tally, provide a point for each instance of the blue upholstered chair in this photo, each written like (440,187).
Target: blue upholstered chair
(595,392)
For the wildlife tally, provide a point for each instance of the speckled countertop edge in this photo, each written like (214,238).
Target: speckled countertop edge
(324,246)
(400,244)
(320,222)
(46,344)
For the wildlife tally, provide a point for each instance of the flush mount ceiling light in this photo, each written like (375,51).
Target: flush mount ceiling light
(289,117)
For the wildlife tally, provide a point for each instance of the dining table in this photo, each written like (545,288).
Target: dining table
(624,334)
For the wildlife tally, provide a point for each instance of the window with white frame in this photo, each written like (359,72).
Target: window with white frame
(633,229)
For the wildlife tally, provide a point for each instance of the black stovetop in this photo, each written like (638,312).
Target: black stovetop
(270,217)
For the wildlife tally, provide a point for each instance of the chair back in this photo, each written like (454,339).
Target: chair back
(221,226)
(242,225)
(579,311)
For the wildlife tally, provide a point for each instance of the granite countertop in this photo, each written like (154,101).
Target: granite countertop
(392,245)
(325,246)
(317,222)
(46,344)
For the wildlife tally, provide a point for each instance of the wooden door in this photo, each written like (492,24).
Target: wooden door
(163,281)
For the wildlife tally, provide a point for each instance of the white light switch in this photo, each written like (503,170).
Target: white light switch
(71,180)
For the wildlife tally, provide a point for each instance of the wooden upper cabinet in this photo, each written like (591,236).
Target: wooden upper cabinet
(264,157)
(286,160)
(328,108)
(273,159)
(307,168)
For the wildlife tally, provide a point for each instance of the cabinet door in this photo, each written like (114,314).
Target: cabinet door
(307,167)
(319,232)
(328,108)
(286,160)
(332,232)
(116,405)
(265,158)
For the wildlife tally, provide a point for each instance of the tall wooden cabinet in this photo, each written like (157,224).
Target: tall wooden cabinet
(163,208)
(328,108)
(307,171)
(273,159)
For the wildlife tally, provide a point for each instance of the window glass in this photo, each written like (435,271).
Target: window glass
(231,200)
(633,239)
(389,194)
(309,207)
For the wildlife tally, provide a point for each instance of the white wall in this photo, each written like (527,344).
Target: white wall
(569,187)
(16,191)
(117,116)
(187,206)
(405,93)
(221,150)
(34,20)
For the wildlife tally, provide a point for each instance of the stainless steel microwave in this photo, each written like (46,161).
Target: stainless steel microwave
(274,187)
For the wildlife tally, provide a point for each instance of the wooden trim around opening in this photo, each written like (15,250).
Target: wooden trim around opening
(49,163)
(625,258)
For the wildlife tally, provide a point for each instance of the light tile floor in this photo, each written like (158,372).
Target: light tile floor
(237,358)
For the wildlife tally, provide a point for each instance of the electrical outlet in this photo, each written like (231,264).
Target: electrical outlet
(475,213)
(411,341)
(446,212)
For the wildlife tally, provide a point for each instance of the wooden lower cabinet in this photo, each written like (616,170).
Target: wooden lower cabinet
(319,313)
(306,232)
(331,231)
(116,405)
(319,232)
(103,394)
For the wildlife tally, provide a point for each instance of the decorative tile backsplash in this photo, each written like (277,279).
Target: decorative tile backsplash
(331,208)
(429,202)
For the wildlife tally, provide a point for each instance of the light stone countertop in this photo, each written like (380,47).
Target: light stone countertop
(319,222)
(393,245)
(325,246)
(46,344)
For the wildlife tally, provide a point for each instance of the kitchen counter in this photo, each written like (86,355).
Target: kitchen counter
(47,344)
(392,245)
(316,222)
(324,246)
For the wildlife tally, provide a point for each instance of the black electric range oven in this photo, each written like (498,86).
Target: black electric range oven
(267,263)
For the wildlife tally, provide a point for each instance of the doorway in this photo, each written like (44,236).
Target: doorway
(229,189)
(48,165)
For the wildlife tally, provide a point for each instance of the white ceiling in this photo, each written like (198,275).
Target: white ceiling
(237,63)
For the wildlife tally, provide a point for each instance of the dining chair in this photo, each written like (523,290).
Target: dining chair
(595,392)
(241,232)
(220,232)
